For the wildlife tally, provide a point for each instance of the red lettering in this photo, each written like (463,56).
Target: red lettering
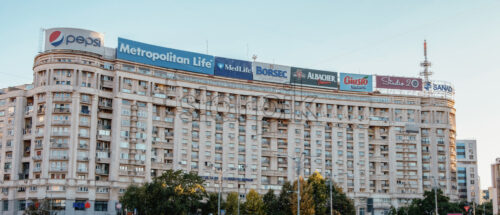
(350,80)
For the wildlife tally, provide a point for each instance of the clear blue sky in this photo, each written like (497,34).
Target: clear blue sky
(371,37)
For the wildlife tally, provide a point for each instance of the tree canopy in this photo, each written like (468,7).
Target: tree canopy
(174,192)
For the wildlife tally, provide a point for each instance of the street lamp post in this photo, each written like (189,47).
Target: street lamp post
(298,159)
(331,197)
(435,194)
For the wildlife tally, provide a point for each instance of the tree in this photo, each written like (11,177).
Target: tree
(284,199)
(253,204)
(306,200)
(210,206)
(487,207)
(341,203)
(174,192)
(271,204)
(231,204)
(427,205)
(319,193)
(38,208)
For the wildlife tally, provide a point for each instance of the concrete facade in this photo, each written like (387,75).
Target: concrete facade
(495,189)
(89,126)
(467,172)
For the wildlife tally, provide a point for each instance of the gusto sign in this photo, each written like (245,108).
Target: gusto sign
(356,82)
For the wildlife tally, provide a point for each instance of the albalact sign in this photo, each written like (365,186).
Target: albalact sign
(164,57)
(312,77)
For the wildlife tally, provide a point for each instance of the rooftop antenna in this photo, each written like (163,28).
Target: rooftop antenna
(254,57)
(426,64)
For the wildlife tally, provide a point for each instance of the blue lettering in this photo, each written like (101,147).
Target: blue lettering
(271,72)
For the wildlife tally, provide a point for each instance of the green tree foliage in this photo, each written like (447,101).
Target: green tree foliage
(319,193)
(427,205)
(486,207)
(284,199)
(341,203)
(38,208)
(271,204)
(231,204)
(174,192)
(253,204)
(210,206)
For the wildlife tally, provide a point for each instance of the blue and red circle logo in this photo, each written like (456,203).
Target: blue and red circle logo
(56,38)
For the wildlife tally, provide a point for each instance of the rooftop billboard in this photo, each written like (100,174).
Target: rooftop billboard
(399,83)
(311,77)
(164,57)
(74,39)
(356,82)
(271,73)
(233,68)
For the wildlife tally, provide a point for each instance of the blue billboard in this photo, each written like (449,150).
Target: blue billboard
(164,57)
(356,82)
(233,68)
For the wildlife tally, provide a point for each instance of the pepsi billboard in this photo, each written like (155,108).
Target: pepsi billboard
(233,68)
(356,82)
(271,73)
(312,77)
(164,57)
(74,39)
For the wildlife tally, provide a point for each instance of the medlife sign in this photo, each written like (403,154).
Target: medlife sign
(164,57)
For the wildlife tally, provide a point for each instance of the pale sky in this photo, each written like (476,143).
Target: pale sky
(369,37)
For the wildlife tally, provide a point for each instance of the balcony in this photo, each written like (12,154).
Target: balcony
(60,134)
(61,110)
(58,169)
(61,122)
(82,170)
(101,172)
(59,145)
(58,157)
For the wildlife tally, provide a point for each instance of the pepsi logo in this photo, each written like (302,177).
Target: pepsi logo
(56,38)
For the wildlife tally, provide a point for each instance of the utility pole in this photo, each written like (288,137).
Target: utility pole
(331,197)
(220,190)
(435,195)
(238,200)
(298,185)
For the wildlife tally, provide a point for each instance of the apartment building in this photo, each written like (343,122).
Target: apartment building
(92,123)
(494,191)
(467,178)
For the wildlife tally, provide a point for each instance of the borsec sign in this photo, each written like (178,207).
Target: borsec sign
(74,39)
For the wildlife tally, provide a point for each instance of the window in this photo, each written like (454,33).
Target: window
(101,206)
(5,206)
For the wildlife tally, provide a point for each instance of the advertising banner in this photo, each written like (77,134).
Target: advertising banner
(233,68)
(317,78)
(74,39)
(438,87)
(164,57)
(271,73)
(356,82)
(399,83)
